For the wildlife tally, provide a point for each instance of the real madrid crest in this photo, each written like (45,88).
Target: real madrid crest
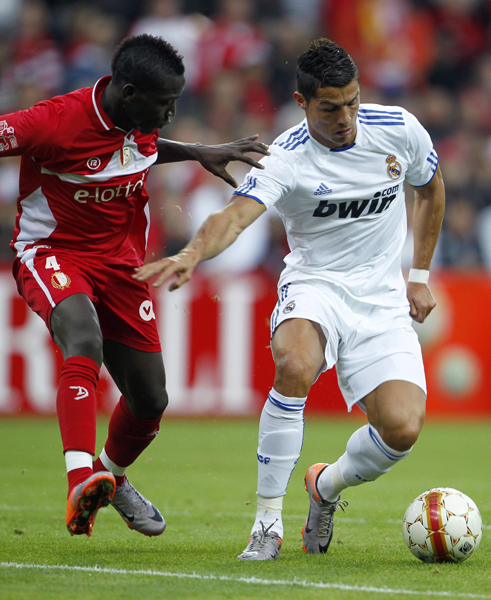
(289,307)
(60,281)
(394,168)
(125,156)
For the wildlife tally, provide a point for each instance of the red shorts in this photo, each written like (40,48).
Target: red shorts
(46,276)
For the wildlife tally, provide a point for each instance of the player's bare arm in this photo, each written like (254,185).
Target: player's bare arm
(217,233)
(213,158)
(429,207)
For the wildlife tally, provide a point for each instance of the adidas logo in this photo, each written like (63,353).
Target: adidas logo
(322,189)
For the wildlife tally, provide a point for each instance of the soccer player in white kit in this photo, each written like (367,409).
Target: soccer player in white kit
(337,181)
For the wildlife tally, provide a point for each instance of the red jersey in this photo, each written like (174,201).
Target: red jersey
(82,179)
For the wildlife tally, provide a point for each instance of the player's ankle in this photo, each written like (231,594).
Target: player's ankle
(77,476)
(99,466)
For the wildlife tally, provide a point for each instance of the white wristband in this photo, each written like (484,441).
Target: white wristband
(418,275)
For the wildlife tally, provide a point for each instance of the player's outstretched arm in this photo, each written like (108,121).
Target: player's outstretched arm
(213,158)
(217,233)
(429,207)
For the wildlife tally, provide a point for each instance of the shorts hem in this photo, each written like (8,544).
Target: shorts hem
(137,345)
(358,401)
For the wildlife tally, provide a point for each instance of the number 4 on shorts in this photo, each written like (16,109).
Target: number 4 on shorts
(52,263)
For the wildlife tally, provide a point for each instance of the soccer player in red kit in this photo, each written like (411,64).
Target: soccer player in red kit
(79,235)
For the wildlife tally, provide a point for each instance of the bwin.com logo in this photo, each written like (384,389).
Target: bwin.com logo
(322,189)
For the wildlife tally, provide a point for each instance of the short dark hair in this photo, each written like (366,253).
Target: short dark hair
(324,64)
(145,61)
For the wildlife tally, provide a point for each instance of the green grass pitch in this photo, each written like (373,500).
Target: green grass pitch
(202,475)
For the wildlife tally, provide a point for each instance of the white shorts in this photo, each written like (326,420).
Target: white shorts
(369,344)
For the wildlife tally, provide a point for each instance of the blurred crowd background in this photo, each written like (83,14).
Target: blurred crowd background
(431,56)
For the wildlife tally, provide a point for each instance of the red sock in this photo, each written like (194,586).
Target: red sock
(127,438)
(77,476)
(76,404)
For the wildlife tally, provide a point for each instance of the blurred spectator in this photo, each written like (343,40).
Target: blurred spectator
(484,236)
(306,14)
(461,36)
(165,18)
(232,42)
(391,41)
(9,190)
(459,246)
(93,37)
(250,250)
(36,60)
(288,42)
(431,56)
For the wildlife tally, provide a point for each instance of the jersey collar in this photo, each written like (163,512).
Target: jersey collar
(99,118)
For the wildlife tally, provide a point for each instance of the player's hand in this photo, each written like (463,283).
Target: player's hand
(216,158)
(421,301)
(182,265)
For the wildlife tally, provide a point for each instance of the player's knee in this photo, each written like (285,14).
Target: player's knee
(294,375)
(149,404)
(403,436)
(85,343)
(161,402)
(90,345)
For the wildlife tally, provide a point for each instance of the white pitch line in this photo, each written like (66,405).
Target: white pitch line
(248,580)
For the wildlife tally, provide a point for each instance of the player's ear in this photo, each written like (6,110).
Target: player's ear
(129,91)
(300,100)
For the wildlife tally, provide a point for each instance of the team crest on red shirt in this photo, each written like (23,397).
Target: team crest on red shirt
(94,163)
(60,281)
(125,156)
(394,168)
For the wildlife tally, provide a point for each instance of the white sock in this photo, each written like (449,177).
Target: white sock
(367,457)
(110,466)
(269,513)
(75,459)
(280,441)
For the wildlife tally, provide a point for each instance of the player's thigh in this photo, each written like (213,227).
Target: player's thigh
(61,293)
(140,377)
(126,312)
(378,345)
(304,335)
(396,409)
(75,328)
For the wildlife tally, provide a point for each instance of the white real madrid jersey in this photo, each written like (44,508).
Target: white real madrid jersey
(344,209)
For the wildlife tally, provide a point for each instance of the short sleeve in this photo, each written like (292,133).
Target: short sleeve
(422,158)
(271,184)
(28,131)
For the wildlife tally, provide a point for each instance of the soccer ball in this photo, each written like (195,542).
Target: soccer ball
(442,525)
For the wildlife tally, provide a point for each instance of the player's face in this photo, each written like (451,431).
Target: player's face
(331,114)
(150,110)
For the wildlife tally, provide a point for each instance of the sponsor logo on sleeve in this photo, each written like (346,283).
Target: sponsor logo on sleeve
(8,140)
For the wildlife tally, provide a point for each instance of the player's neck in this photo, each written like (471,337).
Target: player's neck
(111,105)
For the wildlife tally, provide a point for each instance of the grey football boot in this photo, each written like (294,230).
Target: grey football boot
(137,512)
(263,545)
(319,525)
